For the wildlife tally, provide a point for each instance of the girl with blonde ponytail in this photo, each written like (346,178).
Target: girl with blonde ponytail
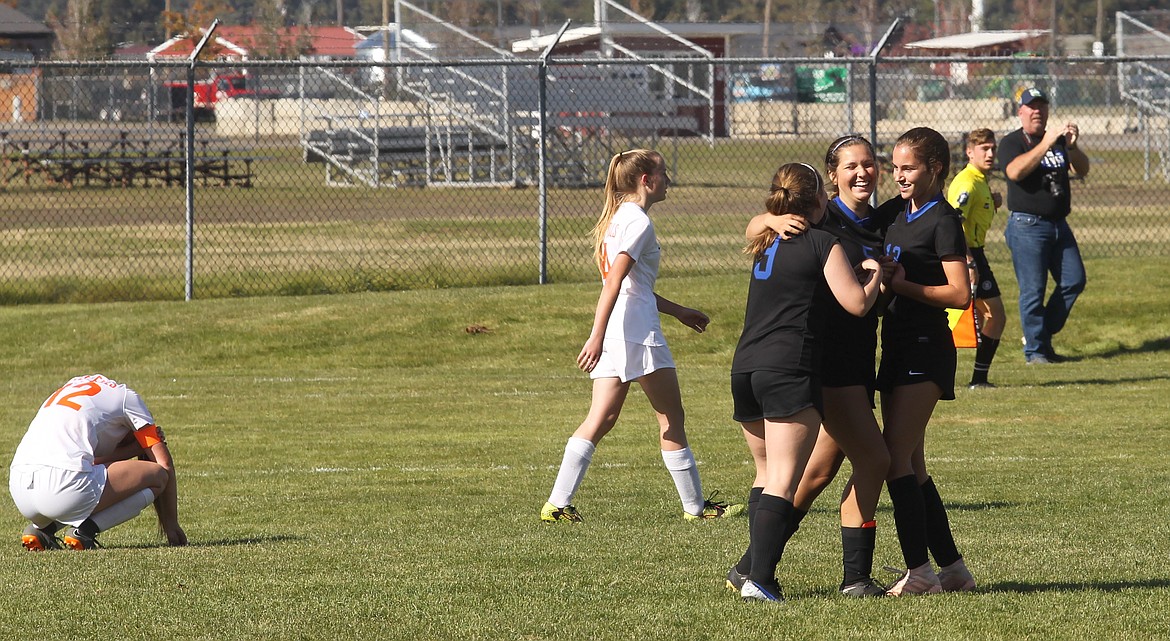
(775,373)
(627,343)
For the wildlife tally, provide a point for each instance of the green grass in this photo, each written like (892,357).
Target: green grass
(359,466)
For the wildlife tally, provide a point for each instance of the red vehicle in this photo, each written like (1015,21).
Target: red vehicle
(216,88)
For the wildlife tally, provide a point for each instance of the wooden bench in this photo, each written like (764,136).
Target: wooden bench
(119,159)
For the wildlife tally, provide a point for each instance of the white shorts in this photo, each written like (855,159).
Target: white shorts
(44,494)
(630,361)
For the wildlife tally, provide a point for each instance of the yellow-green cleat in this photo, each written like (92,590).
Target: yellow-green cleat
(713,509)
(553,514)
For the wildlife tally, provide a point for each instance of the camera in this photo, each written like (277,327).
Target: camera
(1052,183)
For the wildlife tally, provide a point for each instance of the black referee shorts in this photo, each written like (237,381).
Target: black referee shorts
(986,287)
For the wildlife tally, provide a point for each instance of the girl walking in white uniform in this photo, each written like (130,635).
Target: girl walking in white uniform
(627,343)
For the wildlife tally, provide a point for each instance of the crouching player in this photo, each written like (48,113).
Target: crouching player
(92,458)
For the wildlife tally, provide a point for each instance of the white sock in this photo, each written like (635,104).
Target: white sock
(685,473)
(123,510)
(578,455)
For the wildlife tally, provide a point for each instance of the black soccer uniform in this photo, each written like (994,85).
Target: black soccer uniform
(917,344)
(849,355)
(774,372)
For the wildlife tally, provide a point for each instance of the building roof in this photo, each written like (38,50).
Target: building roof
(25,33)
(242,41)
(976,40)
(374,41)
(688,30)
(14,24)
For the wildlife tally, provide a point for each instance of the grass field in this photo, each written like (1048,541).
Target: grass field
(359,466)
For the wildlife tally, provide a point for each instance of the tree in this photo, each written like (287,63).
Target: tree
(80,35)
(190,24)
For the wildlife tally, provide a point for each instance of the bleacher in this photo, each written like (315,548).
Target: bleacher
(401,156)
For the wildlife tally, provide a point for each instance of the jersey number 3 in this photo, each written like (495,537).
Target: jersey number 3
(60,398)
(763,267)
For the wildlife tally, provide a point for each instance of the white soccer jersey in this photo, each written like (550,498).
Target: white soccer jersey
(89,416)
(635,314)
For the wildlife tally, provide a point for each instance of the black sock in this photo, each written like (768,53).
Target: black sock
(984,353)
(909,519)
(857,545)
(51,528)
(744,566)
(794,524)
(772,524)
(88,528)
(938,527)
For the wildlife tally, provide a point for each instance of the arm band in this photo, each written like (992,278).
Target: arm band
(149,436)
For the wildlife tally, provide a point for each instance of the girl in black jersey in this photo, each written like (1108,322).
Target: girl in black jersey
(774,374)
(847,371)
(918,354)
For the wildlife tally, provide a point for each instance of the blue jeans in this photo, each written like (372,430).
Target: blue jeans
(1039,247)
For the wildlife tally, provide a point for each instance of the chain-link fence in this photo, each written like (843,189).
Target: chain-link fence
(299,177)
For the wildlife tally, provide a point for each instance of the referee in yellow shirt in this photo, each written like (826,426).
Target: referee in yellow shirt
(972,197)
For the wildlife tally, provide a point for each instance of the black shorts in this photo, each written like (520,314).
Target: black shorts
(764,394)
(848,362)
(986,287)
(917,358)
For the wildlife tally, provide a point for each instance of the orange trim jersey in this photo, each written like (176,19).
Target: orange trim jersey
(87,417)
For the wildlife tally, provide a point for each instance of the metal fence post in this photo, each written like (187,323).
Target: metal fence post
(189,161)
(873,103)
(542,161)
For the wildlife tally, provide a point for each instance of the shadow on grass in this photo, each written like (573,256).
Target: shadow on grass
(952,506)
(1098,381)
(253,540)
(1087,586)
(1155,345)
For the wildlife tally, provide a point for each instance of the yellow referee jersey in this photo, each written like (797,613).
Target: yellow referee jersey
(971,195)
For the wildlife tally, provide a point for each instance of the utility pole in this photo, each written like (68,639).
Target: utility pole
(767,28)
(386,48)
(1052,29)
(1100,20)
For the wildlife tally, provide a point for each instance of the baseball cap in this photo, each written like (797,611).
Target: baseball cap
(1032,95)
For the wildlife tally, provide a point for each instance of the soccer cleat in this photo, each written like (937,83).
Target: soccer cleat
(867,587)
(920,580)
(34,539)
(1051,355)
(956,577)
(713,509)
(552,514)
(75,540)
(752,591)
(735,580)
(983,385)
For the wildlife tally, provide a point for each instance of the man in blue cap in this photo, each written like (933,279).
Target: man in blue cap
(1037,161)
